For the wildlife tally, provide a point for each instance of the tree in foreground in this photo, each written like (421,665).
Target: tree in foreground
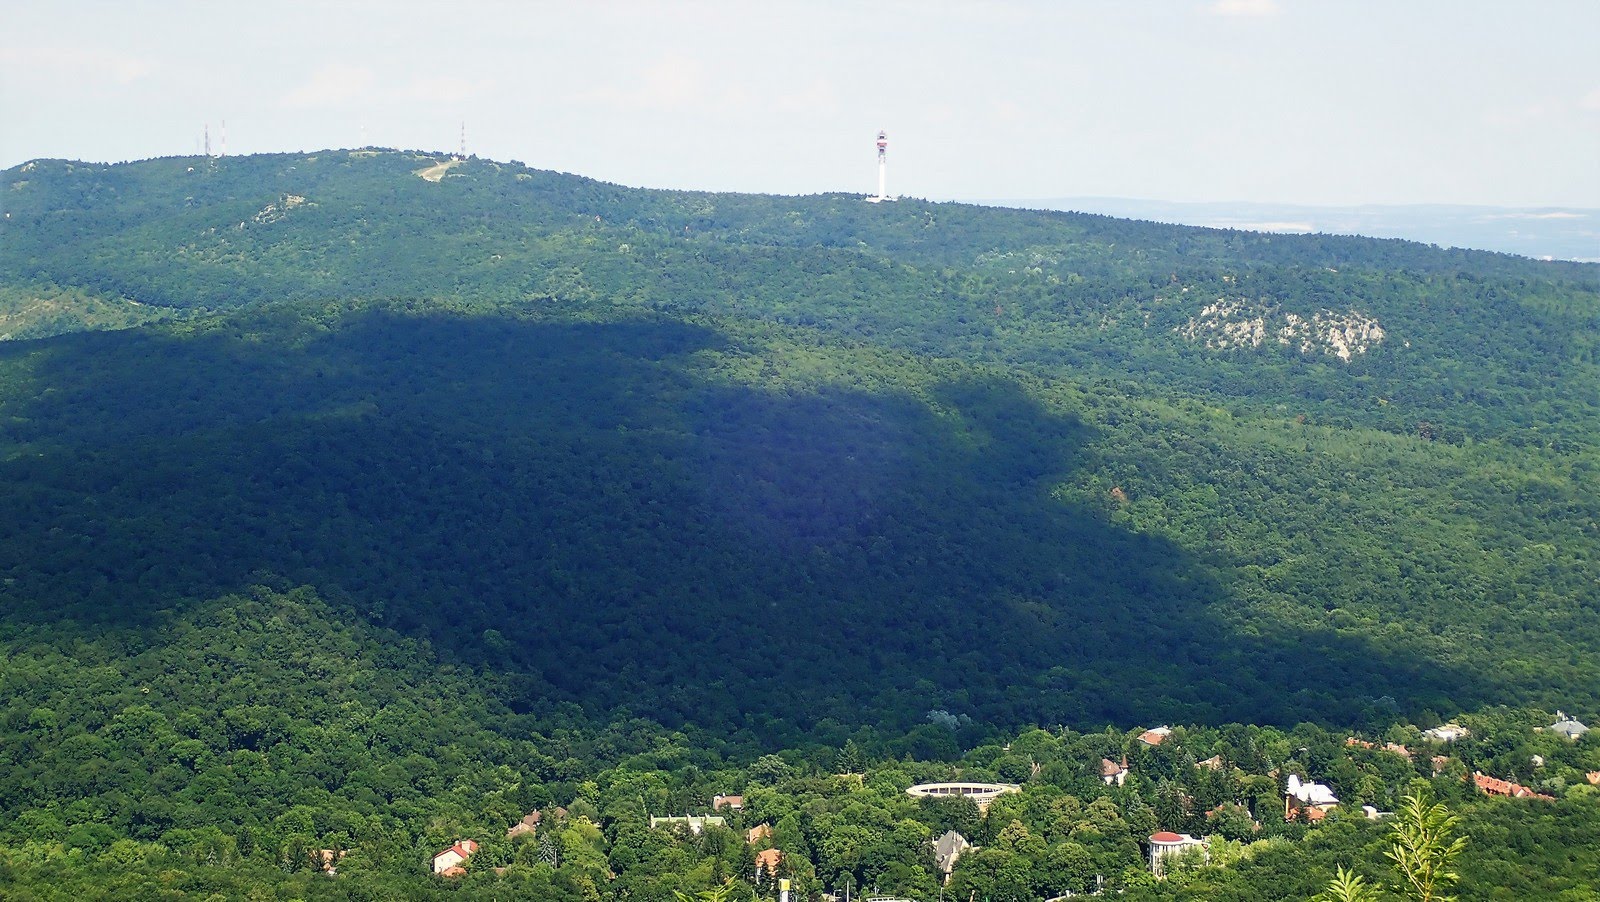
(1424,847)
(717,894)
(1348,886)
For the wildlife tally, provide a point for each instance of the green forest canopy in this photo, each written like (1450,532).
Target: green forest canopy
(769,471)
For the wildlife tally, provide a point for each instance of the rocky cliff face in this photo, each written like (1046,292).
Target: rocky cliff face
(1238,323)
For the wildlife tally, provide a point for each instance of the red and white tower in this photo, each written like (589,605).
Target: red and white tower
(883,170)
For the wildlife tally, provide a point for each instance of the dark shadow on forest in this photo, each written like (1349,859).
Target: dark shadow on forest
(583,508)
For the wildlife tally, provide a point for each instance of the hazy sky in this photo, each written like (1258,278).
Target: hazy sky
(1261,100)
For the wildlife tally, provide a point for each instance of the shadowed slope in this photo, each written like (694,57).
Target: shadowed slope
(602,514)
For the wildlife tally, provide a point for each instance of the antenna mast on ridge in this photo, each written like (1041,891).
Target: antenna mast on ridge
(207,134)
(883,171)
(463,139)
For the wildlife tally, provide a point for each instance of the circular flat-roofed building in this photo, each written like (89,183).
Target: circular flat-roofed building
(981,793)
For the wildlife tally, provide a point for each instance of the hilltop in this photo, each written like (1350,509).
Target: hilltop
(773,463)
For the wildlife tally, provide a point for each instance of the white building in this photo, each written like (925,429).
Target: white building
(981,793)
(453,857)
(1315,795)
(695,822)
(1165,845)
(1113,772)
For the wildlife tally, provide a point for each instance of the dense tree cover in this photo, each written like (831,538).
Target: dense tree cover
(601,496)
(1478,345)
(767,531)
(265,726)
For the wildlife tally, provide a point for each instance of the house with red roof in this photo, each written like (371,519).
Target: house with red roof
(525,827)
(1155,736)
(767,861)
(1167,844)
(1491,786)
(448,863)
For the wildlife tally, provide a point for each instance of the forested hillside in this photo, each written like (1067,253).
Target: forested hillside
(514,460)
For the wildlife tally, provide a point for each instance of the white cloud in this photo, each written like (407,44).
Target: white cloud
(55,61)
(1244,8)
(331,86)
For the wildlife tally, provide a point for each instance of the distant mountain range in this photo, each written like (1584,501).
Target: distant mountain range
(1551,233)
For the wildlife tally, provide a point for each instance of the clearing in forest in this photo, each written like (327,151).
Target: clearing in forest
(436,172)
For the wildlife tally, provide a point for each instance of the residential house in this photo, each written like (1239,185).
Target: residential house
(1315,799)
(1215,762)
(732,803)
(325,860)
(449,862)
(1494,787)
(1450,732)
(1165,845)
(1395,747)
(1226,808)
(948,848)
(758,833)
(1568,727)
(1155,736)
(524,827)
(1112,772)
(767,861)
(696,823)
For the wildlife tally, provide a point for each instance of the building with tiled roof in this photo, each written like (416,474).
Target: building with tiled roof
(524,827)
(1494,787)
(1155,736)
(948,848)
(1570,727)
(1113,772)
(1314,799)
(767,861)
(448,863)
